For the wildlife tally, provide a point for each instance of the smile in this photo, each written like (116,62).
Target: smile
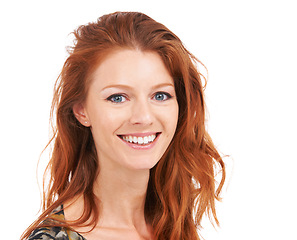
(139,140)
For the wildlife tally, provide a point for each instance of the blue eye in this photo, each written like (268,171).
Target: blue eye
(117,98)
(162,96)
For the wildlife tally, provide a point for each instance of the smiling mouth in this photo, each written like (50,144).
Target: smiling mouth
(146,140)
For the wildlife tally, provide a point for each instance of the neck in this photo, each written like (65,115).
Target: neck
(122,196)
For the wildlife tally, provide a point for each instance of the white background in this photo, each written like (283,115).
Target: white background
(250,50)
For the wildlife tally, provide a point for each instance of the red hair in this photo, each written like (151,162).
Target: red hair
(181,187)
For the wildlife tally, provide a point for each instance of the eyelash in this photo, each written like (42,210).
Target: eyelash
(112,97)
(164,93)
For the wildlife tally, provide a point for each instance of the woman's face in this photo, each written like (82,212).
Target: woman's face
(131,108)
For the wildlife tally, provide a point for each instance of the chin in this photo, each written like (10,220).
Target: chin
(142,164)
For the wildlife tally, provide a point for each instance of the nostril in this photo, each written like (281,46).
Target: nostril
(141,114)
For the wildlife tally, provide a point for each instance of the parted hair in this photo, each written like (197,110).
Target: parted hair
(182,185)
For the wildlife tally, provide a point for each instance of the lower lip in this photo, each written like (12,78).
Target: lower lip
(142,147)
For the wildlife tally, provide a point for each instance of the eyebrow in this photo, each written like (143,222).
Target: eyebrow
(129,87)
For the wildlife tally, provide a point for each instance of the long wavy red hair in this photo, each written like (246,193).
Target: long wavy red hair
(182,185)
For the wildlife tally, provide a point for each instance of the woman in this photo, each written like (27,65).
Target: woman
(131,156)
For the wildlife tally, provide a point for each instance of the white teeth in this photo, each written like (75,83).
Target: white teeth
(139,140)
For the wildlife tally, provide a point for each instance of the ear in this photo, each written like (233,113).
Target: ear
(81,115)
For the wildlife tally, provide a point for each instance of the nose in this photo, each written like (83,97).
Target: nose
(141,113)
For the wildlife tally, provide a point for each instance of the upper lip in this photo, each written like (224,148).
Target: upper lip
(139,134)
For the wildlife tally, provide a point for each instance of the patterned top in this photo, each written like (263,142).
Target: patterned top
(55,233)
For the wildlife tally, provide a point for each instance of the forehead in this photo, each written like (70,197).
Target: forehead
(132,67)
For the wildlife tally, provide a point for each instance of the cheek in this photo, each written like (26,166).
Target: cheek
(174,113)
(104,128)
(109,120)
(170,117)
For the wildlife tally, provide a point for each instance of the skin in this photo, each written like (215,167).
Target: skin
(131,94)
